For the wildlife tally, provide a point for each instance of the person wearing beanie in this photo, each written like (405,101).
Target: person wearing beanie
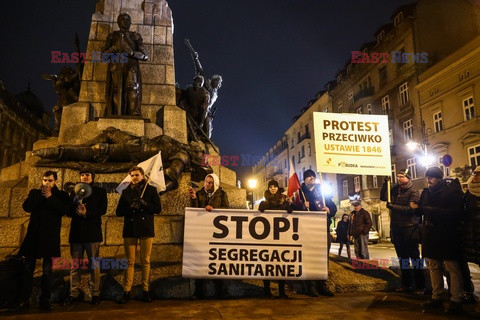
(359,229)
(434,172)
(311,200)
(441,205)
(471,241)
(275,200)
(210,197)
(405,228)
(86,236)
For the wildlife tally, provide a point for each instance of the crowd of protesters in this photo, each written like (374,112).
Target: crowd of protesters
(442,218)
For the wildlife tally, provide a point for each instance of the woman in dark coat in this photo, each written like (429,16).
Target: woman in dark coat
(138,203)
(471,225)
(275,200)
(342,234)
(470,233)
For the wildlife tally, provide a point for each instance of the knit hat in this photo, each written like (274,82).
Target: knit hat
(88,171)
(434,172)
(406,173)
(272,183)
(309,173)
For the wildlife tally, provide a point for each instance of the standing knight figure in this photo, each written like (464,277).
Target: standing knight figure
(211,85)
(124,84)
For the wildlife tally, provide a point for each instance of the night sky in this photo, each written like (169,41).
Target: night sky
(274,55)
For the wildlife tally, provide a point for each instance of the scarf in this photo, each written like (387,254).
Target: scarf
(473,187)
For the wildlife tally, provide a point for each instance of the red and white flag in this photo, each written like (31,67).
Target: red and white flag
(293,182)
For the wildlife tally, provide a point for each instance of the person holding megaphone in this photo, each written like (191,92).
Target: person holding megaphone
(89,204)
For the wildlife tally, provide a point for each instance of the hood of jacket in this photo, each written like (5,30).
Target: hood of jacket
(216,181)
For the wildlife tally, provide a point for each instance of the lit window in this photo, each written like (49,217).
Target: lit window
(394,173)
(364,182)
(408,130)
(345,188)
(404,97)
(375,182)
(386,105)
(474,155)
(356,183)
(468,108)
(412,167)
(438,122)
(369,109)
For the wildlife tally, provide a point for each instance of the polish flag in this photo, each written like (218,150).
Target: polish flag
(293,182)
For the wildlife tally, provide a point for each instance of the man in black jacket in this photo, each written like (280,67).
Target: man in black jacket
(311,200)
(404,229)
(137,205)
(86,236)
(47,205)
(441,204)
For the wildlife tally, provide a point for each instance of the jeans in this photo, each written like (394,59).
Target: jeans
(456,279)
(27,278)
(361,246)
(130,251)
(76,251)
(407,248)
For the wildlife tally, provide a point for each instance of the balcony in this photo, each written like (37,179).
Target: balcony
(304,136)
(366,92)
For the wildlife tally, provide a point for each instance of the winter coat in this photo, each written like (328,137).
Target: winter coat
(316,195)
(277,201)
(138,223)
(219,199)
(342,231)
(471,228)
(43,233)
(401,213)
(88,228)
(442,208)
(361,223)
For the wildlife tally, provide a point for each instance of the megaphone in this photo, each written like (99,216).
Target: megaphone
(82,190)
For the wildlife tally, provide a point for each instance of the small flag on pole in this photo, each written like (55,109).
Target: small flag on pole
(153,172)
(294,185)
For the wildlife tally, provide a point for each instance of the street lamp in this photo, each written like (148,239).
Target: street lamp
(252,183)
(426,160)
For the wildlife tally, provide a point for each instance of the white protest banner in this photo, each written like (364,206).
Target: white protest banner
(352,143)
(245,244)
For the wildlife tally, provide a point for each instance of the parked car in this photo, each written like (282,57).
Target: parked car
(373,236)
(333,233)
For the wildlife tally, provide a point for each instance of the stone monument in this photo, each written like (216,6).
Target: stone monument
(158,118)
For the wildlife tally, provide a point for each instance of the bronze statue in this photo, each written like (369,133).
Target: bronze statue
(211,85)
(122,149)
(67,86)
(124,83)
(195,101)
